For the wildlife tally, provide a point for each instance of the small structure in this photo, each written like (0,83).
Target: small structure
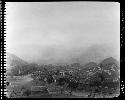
(62,73)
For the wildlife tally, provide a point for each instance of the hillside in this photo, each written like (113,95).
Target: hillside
(89,69)
(109,60)
(110,68)
(13,60)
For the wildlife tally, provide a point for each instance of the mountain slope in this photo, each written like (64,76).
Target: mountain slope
(13,60)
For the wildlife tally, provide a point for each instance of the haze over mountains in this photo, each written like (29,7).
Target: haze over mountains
(107,65)
(94,53)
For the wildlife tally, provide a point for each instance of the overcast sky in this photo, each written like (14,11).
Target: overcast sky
(39,29)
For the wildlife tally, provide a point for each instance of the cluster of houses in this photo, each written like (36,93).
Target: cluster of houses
(51,89)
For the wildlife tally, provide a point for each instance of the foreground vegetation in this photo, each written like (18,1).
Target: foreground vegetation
(64,81)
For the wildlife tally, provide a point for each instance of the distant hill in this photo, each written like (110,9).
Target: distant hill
(110,68)
(13,60)
(57,55)
(17,66)
(97,53)
(110,61)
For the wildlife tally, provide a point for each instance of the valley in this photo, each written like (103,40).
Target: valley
(64,81)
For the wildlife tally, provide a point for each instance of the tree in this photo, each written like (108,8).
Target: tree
(50,79)
(15,70)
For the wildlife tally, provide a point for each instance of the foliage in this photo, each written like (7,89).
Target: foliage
(23,69)
(78,80)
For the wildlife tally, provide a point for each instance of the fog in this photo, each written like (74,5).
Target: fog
(59,32)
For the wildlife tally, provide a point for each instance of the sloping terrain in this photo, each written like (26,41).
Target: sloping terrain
(13,60)
(91,79)
(89,69)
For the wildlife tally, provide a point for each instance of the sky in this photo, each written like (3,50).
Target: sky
(58,30)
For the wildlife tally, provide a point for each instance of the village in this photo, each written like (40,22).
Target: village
(64,82)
